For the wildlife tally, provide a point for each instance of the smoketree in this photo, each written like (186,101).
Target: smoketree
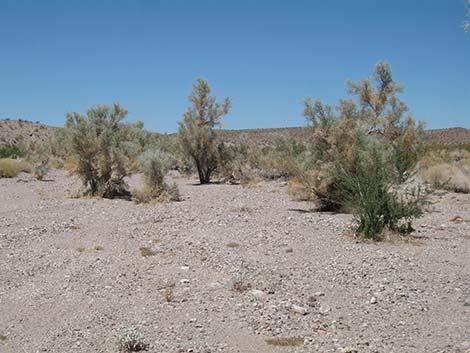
(196,130)
(99,142)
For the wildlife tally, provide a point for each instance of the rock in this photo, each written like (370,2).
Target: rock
(319,294)
(289,250)
(258,293)
(184,281)
(373,300)
(299,309)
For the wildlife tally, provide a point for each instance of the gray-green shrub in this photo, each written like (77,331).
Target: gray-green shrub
(100,143)
(154,165)
(196,130)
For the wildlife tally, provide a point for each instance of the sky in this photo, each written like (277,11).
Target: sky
(267,55)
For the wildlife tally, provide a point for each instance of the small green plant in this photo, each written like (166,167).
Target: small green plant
(145,252)
(98,248)
(3,338)
(132,341)
(81,249)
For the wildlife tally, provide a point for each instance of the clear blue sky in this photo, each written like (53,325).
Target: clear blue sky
(65,55)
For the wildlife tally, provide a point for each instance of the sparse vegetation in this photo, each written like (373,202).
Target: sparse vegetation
(132,341)
(145,251)
(196,130)
(169,295)
(446,168)
(98,248)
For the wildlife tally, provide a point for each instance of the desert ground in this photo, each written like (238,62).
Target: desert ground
(227,269)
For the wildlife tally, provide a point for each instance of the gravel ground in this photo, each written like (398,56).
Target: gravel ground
(228,270)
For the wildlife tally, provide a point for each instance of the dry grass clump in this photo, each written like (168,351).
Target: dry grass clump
(151,194)
(447,169)
(240,286)
(449,177)
(286,342)
(145,252)
(232,245)
(298,191)
(169,295)
(70,165)
(10,168)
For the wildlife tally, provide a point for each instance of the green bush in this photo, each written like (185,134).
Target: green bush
(11,152)
(370,193)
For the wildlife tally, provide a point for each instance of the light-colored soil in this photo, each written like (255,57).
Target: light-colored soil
(299,274)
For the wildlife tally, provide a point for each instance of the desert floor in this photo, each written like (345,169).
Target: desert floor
(228,269)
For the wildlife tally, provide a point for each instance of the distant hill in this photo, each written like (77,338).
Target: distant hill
(449,136)
(21,132)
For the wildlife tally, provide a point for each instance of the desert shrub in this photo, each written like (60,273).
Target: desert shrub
(370,192)
(101,146)
(196,130)
(154,165)
(11,152)
(447,176)
(10,168)
(446,167)
(341,133)
(40,170)
(132,340)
